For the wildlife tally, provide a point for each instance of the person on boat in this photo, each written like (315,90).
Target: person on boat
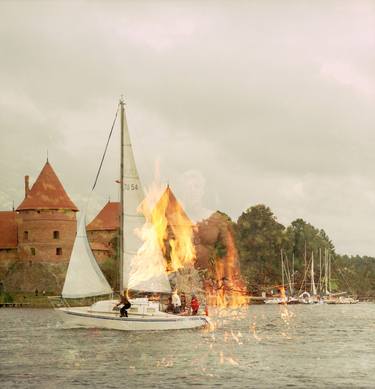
(183,302)
(125,305)
(169,308)
(194,305)
(176,302)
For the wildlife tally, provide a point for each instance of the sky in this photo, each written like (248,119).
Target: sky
(231,103)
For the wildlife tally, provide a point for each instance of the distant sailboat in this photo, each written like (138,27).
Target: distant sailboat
(138,270)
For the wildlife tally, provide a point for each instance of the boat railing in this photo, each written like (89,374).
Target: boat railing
(58,302)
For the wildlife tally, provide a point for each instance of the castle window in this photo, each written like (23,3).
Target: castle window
(56,234)
(58,251)
(32,250)
(26,235)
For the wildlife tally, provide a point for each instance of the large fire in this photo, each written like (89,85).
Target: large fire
(147,270)
(170,232)
(224,286)
(174,231)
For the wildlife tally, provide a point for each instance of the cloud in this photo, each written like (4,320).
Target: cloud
(258,102)
(346,75)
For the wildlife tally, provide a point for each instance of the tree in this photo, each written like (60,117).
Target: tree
(303,241)
(260,238)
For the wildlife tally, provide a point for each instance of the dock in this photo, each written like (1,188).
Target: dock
(14,305)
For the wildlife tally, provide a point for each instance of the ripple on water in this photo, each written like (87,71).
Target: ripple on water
(269,347)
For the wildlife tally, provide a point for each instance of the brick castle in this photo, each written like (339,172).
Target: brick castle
(42,229)
(37,238)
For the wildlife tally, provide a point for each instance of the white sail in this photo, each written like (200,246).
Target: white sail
(84,277)
(147,267)
(136,262)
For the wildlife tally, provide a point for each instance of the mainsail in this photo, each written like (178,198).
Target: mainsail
(84,277)
(137,261)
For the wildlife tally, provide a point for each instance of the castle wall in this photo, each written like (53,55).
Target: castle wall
(101,255)
(46,235)
(103,238)
(8,254)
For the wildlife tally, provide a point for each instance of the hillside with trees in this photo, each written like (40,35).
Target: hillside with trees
(260,239)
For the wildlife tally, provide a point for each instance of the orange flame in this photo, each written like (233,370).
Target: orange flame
(174,236)
(148,265)
(229,291)
(175,232)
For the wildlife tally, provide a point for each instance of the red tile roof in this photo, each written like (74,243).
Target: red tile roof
(107,219)
(47,193)
(8,230)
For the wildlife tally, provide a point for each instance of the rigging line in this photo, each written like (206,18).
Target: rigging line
(105,149)
(305,276)
(288,269)
(343,277)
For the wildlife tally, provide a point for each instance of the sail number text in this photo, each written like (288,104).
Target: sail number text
(131,186)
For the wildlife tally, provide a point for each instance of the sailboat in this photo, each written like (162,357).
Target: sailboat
(85,279)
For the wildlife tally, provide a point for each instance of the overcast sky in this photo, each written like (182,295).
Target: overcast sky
(240,102)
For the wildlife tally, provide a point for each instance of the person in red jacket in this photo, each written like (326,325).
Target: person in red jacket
(194,305)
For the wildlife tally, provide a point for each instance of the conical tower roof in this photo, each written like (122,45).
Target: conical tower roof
(47,193)
(107,219)
(174,213)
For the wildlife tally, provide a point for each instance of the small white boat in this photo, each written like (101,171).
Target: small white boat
(139,270)
(275,300)
(341,300)
(144,315)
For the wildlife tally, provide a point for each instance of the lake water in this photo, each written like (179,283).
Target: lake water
(316,346)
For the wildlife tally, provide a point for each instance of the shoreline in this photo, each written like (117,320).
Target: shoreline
(29,300)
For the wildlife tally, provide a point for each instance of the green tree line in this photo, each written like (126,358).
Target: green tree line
(261,240)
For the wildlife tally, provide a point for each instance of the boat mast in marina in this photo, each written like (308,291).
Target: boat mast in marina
(326,271)
(282,268)
(293,273)
(320,270)
(313,287)
(121,234)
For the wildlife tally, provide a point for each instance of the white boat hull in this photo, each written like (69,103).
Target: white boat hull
(82,317)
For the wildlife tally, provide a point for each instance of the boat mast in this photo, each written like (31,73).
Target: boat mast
(293,272)
(320,270)
(289,276)
(326,271)
(305,262)
(121,257)
(329,271)
(313,288)
(282,267)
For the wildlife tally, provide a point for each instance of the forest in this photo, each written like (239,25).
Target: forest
(261,239)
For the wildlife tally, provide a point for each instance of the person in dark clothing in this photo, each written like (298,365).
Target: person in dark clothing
(169,308)
(183,302)
(125,305)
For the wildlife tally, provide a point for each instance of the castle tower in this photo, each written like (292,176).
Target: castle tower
(103,231)
(46,220)
(174,229)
